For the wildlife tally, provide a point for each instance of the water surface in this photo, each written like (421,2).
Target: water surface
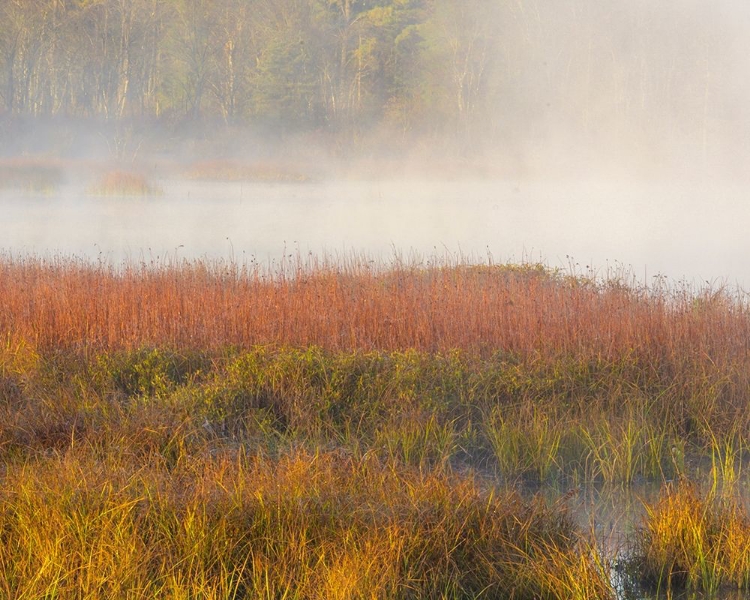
(681,231)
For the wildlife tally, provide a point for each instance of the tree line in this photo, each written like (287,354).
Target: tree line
(503,69)
(298,63)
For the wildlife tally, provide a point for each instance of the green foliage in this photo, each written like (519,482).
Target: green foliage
(148,372)
(522,420)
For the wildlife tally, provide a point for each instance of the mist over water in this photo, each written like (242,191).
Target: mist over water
(695,232)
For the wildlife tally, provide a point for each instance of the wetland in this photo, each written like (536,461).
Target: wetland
(397,430)
(374,299)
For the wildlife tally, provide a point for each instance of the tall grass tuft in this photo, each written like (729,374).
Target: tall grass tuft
(694,541)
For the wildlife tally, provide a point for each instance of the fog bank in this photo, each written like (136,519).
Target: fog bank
(608,131)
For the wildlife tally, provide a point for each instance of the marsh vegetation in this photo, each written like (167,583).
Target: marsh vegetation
(31,174)
(347,429)
(288,423)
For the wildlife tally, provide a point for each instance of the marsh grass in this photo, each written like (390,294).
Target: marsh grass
(429,411)
(694,540)
(532,373)
(524,445)
(315,429)
(302,525)
(524,312)
(123,183)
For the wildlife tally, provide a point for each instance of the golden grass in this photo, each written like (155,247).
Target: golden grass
(695,541)
(303,525)
(123,183)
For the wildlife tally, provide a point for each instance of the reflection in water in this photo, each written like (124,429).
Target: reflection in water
(674,230)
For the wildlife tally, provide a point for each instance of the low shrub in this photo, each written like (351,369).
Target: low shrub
(123,183)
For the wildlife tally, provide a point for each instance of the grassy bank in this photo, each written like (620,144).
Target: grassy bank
(346,430)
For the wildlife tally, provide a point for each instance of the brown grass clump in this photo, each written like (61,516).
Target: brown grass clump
(123,183)
(694,541)
(226,170)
